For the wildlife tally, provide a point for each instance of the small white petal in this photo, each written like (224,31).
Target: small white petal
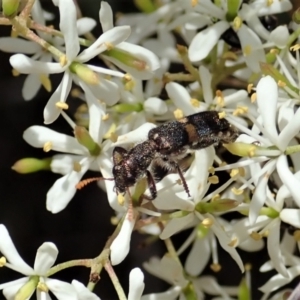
(170,294)
(205,40)
(31,86)
(63,190)
(167,200)
(291,216)
(106,16)
(85,25)
(135,136)
(113,36)
(206,77)
(175,225)
(274,249)
(37,136)
(45,258)
(277,6)
(278,280)
(9,44)
(26,65)
(267,95)
(279,36)
(62,290)
(288,178)
(51,111)
(83,293)
(64,164)
(249,39)
(181,98)
(11,288)
(67,24)
(155,106)
(136,284)
(121,244)
(8,249)
(193,265)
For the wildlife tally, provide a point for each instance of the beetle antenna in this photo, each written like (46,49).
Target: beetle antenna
(81,184)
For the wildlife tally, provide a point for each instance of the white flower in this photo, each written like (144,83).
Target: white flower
(136,284)
(45,258)
(64,188)
(100,86)
(83,293)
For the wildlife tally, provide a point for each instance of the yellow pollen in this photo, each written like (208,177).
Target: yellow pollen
(266,233)
(47,146)
(281,84)
(178,113)
(194,3)
(223,164)
(2,261)
(114,220)
(247,50)
(253,97)
(46,82)
(15,73)
(127,77)
(113,137)
(248,267)
(76,166)
(195,102)
(234,172)
(42,287)
(213,179)
(237,23)
(240,110)
(63,60)
(269,2)
(237,191)
(295,47)
(75,93)
(251,151)
(129,85)
(207,223)
(249,88)
(179,181)
(62,105)
(274,51)
(233,242)
(256,236)
(215,267)
(222,114)
(296,235)
(242,171)
(211,170)
(109,45)
(216,197)
(105,117)
(121,199)
(220,98)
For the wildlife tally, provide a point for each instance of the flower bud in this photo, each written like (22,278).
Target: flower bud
(127,107)
(127,59)
(232,9)
(145,6)
(83,137)
(10,7)
(296,16)
(84,73)
(140,189)
(244,292)
(27,289)
(31,165)
(221,205)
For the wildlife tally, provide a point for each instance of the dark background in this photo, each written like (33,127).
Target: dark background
(81,230)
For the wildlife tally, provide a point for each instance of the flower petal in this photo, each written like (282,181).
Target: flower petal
(45,258)
(62,290)
(85,25)
(37,136)
(31,86)
(63,190)
(291,216)
(121,244)
(156,106)
(106,16)
(8,249)
(9,44)
(136,284)
(83,293)
(26,65)
(205,40)
(170,294)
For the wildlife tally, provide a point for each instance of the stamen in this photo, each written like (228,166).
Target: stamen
(47,146)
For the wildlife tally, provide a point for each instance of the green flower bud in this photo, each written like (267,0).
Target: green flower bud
(84,73)
(128,107)
(244,292)
(31,165)
(296,16)
(232,9)
(83,137)
(220,205)
(10,7)
(146,6)
(27,289)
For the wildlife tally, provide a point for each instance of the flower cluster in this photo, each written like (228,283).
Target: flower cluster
(232,59)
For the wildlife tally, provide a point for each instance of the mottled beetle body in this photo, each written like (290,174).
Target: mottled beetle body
(166,146)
